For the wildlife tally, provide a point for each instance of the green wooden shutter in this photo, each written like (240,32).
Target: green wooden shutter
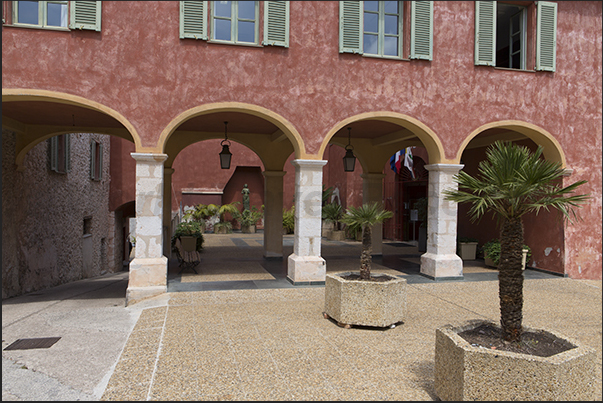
(546,33)
(421,30)
(276,23)
(485,33)
(350,26)
(85,15)
(100,161)
(193,19)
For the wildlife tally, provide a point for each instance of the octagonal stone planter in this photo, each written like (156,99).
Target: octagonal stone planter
(466,372)
(365,303)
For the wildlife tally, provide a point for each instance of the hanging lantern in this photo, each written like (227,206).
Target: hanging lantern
(349,160)
(225,154)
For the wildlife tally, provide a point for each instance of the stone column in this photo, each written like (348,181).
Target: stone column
(441,261)
(148,270)
(305,265)
(273,214)
(167,211)
(372,191)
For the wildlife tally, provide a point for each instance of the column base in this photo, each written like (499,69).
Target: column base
(306,270)
(273,256)
(442,267)
(148,278)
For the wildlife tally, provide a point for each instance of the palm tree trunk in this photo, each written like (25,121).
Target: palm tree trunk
(365,256)
(510,279)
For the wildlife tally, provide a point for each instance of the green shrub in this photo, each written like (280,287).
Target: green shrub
(492,250)
(289,220)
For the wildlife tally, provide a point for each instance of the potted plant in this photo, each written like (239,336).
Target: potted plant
(467,248)
(491,250)
(190,234)
(512,182)
(333,212)
(248,219)
(359,297)
(289,220)
(421,206)
(223,226)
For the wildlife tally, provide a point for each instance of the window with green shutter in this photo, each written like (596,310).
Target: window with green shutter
(421,31)
(86,15)
(276,23)
(96,160)
(57,14)
(502,38)
(375,28)
(546,33)
(235,21)
(59,150)
(193,19)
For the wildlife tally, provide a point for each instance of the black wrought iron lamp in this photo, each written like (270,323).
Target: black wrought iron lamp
(349,160)
(225,154)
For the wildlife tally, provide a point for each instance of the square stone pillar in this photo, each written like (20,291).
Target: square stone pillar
(148,270)
(372,191)
(273,214)
(167,211)
(441,262)
(305,265)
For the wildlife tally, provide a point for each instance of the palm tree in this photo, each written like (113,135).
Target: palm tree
(365,217)
(513,182)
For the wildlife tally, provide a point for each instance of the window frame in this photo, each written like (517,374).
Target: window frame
(234,27)
(60,153)
(96,160)
(42,16)
(381,30)
(523,12)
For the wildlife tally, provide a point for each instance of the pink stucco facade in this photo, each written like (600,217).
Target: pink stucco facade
(140,69)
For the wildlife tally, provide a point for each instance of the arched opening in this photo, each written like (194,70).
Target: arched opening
(543,233)
(56,149)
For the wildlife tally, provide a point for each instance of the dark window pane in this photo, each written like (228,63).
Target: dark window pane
(247,10)
(391,24)
(57,15)
(371,22)
(28,12)
(516,60)
(390,46)
(391,7)
(223,8)
(222,28)
(246,31)
(370,44)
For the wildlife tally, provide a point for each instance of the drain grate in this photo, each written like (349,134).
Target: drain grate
(28,344)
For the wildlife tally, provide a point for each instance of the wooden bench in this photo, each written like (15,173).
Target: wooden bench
(188,259)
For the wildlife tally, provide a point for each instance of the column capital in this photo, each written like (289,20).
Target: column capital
(149,157)
(274,173)
(451,168)
(309,163)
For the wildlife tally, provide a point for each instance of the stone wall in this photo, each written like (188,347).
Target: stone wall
(43,212)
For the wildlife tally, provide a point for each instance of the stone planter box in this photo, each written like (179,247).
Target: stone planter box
(336,235)
(365,303)
(466,372)
(248,229)
(327,226)
(468,250)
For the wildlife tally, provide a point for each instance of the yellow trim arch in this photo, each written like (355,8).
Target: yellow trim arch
(9,95)
(552,150)
(427,136)
(274,118)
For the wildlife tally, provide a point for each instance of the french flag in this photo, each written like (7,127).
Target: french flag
(402,157)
